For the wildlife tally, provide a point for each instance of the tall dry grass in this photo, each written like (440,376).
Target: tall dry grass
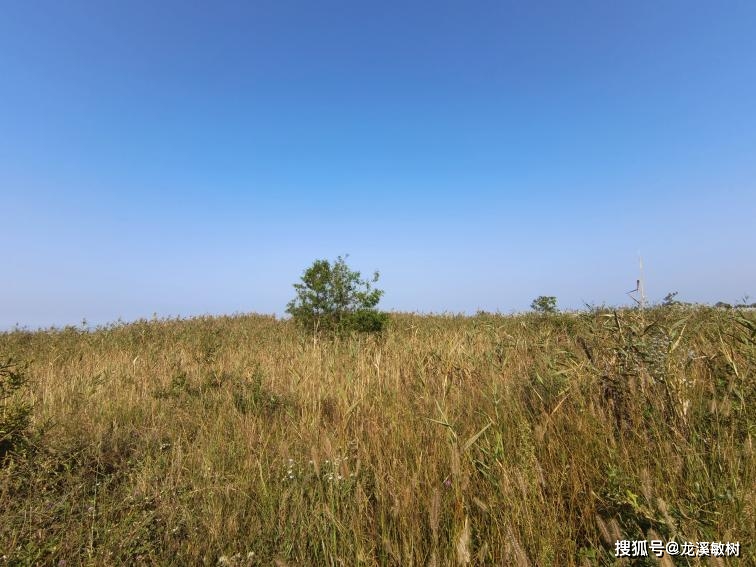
(487,440)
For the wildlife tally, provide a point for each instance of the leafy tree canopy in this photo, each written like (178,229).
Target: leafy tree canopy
(544,304)
(333,297)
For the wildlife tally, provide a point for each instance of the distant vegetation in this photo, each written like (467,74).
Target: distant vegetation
(333,298)
(544,304)
(536,439)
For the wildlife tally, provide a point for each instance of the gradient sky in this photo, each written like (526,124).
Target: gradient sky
(183,158)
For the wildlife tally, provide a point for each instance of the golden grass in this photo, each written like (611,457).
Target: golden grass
(487,440)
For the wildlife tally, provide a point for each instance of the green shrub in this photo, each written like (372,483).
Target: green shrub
(365,321)
(544,304)
(334,298)
(14,413)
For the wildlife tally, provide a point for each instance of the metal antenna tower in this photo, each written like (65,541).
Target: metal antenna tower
(640,287)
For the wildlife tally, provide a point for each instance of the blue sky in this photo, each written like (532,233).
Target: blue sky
(183,158)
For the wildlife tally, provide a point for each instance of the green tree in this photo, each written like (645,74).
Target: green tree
(544,304)
(333,297)
(670,300)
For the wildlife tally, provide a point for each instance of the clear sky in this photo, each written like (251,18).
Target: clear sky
(183,158)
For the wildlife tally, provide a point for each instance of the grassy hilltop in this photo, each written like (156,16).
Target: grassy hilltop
(488,440)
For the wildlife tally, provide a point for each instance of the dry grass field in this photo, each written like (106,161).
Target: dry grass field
(449,440)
